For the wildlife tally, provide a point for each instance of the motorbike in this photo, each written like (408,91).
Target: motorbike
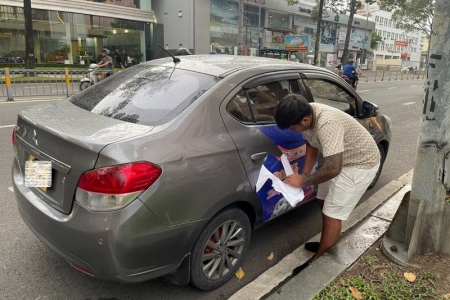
(92,77)
(349,81)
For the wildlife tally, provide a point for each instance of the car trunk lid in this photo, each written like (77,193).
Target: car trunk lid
(71,139)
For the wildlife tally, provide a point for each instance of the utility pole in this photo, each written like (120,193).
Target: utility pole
(318,34)
(344,57)
(29,46)
(423,225)
(241,27)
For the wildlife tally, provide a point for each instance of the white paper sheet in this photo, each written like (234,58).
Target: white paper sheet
(292,194)
(286,165)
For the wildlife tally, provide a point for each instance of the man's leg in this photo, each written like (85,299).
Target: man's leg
(331,231)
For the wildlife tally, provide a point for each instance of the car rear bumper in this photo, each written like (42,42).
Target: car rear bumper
(128,245)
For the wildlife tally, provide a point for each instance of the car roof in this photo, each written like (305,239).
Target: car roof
(223,65)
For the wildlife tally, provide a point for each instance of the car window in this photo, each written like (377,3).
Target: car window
(147,95)
(332,94)
(239,108)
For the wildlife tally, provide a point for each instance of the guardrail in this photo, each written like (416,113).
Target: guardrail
(24,82)
(387,75)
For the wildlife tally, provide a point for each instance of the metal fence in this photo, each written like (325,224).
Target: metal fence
(66,82)
(387,75)
(23,82)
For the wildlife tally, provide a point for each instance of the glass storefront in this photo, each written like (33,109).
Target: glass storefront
(62,37)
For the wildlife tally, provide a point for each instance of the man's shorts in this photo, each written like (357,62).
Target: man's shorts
(342,193)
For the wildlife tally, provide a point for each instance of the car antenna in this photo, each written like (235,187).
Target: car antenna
(175,59)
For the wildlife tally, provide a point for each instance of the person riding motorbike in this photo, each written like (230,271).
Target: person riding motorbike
(349,71)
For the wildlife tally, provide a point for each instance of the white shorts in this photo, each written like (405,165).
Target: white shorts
(342,193)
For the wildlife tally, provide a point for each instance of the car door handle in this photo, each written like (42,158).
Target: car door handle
(260,155)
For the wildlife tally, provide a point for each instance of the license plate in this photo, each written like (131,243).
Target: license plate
(38,174)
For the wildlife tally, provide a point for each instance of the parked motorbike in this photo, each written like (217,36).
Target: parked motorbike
(349,81)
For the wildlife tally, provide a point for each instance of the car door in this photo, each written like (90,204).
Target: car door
(249,115)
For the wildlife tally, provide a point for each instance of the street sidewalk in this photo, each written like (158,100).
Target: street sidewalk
(367,223)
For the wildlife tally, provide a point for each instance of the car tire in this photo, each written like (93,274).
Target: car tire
(216,257)
(380,168)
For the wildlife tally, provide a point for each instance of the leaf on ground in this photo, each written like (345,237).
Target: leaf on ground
(342,281)
(240,273)
(270,257)
(355,293)
(410,277)
(447,296)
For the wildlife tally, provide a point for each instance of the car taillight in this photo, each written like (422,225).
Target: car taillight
(114,187)
(13,139)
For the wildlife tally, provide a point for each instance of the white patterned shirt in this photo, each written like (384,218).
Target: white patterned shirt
(334,131)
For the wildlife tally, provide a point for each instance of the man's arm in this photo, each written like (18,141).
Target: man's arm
(332,166)
(310,158)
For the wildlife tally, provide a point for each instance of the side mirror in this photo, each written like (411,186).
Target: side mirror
(369,109)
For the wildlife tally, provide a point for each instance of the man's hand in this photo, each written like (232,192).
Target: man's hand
(296,180)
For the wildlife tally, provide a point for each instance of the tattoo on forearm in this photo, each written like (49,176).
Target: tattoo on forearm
(332,166)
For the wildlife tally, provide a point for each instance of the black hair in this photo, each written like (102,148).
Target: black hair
(291,110)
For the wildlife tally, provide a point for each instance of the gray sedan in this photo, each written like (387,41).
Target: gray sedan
(153,171)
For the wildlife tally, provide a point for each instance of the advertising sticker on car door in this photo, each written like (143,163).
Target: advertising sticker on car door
(293,146)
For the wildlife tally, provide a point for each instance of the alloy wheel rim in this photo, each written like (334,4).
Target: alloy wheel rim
(223,250)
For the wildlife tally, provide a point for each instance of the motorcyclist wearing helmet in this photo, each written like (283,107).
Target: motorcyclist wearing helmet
(349,71)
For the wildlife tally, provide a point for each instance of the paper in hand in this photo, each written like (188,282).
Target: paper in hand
(292,194)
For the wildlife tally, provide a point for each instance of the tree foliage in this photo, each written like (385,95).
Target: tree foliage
(292,2)
(411,14)
(375,39)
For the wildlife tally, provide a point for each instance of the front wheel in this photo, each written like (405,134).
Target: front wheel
(84,85)
(380,168)
(220,249)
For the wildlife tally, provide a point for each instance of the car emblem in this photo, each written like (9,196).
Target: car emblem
(35,138)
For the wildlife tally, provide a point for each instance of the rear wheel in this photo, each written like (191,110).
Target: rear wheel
(380,168)
(220,249)
(84,85)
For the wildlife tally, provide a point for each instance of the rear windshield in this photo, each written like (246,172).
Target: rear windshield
(147,95)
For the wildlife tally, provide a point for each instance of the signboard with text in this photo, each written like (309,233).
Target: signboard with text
(296,42)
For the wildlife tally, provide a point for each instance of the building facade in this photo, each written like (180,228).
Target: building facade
(398,47)
(75,31)
(212,25)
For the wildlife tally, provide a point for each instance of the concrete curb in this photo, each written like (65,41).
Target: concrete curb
(276,275)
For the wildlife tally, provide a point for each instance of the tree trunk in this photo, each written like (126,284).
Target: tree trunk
(319,28)
(344,57)
(241,28)
(29,46)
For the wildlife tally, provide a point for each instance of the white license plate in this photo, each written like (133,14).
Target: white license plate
(38,174)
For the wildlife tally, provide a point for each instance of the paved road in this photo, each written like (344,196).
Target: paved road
(30,271)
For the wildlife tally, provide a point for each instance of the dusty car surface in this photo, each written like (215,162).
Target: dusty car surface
(153,171)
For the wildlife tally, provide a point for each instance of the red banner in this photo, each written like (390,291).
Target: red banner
(401,43)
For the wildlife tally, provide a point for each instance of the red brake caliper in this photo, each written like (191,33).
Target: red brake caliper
(208,249)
